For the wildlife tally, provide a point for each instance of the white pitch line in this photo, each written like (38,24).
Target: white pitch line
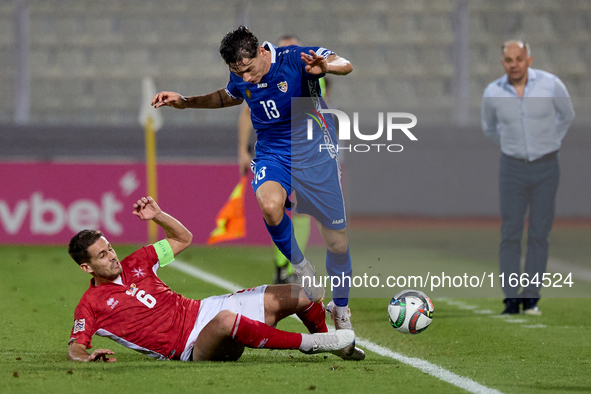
(422,365)
(516,320)
(427,367)
(484,312)
(205,276)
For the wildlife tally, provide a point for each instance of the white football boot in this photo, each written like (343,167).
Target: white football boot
(321,342)
(305,273)
(341,317)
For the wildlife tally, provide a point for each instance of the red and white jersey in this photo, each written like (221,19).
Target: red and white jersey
(138,310)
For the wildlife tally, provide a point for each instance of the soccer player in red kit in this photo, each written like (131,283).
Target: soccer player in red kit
(127,302)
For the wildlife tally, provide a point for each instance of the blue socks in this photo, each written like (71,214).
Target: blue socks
(339,265)
(282,235)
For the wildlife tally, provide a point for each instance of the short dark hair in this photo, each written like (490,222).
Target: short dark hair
(239,44)
(79,244)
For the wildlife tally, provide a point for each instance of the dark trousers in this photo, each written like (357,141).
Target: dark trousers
(525,184)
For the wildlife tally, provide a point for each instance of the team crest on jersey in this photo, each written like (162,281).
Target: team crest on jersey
(282,86)
(248,94)
(79,325)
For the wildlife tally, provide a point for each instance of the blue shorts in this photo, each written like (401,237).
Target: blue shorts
(318,188)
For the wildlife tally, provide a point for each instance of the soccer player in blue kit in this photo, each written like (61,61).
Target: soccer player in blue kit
(268,78)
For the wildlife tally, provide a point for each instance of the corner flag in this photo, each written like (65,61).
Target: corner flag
(230,221)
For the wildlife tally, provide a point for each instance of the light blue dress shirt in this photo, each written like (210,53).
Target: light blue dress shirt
(532,126)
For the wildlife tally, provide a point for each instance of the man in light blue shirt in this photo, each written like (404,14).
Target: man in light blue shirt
(528,112)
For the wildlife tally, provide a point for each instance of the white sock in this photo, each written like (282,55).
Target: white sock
(299,265)
(342,310)
(307,342)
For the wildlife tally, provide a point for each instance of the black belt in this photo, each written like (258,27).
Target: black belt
(546,157)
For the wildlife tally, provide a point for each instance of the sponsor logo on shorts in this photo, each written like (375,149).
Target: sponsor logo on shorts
(338,221)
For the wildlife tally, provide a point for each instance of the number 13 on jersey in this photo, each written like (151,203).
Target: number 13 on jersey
(270,109)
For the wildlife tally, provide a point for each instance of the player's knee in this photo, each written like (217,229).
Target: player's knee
(336,241)
(224,321)
(272,212)
(338,246)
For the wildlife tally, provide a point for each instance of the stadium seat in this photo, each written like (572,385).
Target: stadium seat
(108,48)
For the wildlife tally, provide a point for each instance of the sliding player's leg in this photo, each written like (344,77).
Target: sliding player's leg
(216,338)
(247,323)
(285,300)
(215,343)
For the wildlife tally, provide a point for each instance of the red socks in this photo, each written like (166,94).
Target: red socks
(313,317)
(254,334)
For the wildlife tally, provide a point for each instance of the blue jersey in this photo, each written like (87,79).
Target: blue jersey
(281,132)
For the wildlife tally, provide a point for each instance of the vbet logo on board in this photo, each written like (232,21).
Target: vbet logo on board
(392,124)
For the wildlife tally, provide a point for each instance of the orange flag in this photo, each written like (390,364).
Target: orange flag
(230,221)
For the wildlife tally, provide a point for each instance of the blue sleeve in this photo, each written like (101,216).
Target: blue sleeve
(233,90)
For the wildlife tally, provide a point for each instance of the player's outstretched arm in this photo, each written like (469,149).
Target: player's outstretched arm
(217,99)
(333,64)
(177,235)
(77,352)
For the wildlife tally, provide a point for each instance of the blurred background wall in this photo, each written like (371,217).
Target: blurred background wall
(71,72)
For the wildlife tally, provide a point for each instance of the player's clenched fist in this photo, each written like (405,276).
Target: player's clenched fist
(170,99)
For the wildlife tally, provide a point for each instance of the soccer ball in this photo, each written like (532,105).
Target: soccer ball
(410,312)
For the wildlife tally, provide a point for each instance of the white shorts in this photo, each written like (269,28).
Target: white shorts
(248,302)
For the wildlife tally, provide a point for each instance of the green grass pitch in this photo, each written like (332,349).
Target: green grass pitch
(40,287)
